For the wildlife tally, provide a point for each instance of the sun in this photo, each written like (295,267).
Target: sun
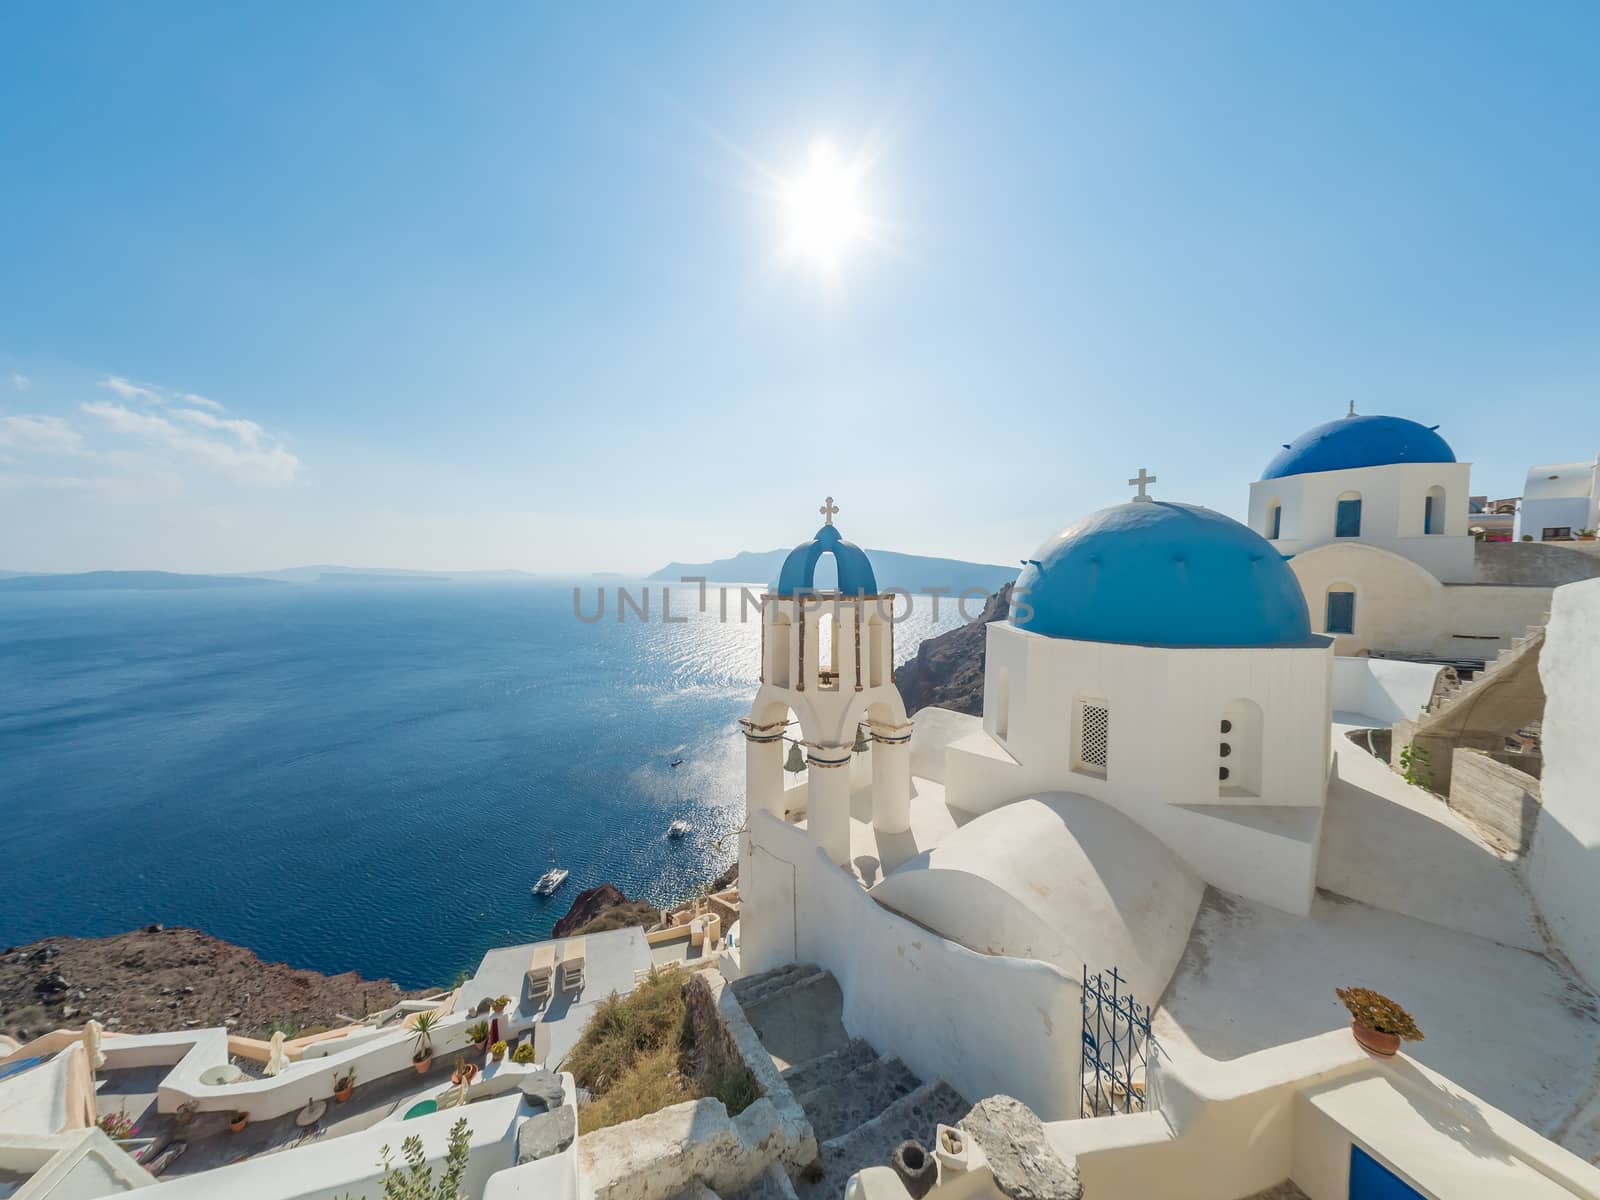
(822,209)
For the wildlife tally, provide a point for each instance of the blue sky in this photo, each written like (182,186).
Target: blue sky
(501,286)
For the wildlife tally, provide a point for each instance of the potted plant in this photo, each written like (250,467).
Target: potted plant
(424,1024)
(344,1085)
(1379,1024)
(523,1053)
(478,1035)
(1586,535)
(238,1119)
(118,1125)
(500,1004)
(498,1050)
(186,1112)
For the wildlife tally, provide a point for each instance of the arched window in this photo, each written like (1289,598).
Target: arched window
(1002,703)
(1274,521)
(1239,749)
(1341,610)
(1433,514)
(778,651)
(1347,518)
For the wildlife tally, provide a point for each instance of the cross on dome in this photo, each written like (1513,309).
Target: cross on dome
(828,509)
(1139,481)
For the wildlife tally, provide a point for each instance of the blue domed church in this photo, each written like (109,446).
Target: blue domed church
(1160,658)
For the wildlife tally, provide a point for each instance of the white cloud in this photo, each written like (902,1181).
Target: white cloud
(246,454)
(199,401)
(131,391)
(21,382)
(40,433)
(248,432)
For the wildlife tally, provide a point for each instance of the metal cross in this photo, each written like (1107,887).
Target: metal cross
(1352,411)
(1139,481)
(828,509)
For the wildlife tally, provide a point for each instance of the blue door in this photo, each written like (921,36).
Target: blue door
(1341,612)
(1348,521)
(1371,1180)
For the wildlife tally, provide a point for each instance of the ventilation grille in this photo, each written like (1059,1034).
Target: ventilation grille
(1096,732)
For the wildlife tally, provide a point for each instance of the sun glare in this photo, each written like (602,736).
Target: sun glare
(824,215)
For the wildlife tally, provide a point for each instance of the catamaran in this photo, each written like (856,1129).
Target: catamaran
(553,878)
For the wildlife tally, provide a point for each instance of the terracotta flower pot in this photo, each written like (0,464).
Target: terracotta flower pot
(238,1126)
(470,1073)
(422,1064)
(343,1093)
(1385,1044)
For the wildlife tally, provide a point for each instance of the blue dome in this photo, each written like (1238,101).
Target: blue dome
(1359,442)
(1162,574)
(800,568)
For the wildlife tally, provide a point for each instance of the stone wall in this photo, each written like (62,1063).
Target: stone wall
(1501,800)
(1534,564)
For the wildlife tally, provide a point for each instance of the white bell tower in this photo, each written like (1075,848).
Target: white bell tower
(828,657)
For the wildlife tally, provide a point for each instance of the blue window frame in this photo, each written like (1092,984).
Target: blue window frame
(1371,1180)
(1341,612)
(1277,521)
(1427,515)
(1348,523)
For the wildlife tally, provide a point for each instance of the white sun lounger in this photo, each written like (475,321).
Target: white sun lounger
(541,966)
(572,955)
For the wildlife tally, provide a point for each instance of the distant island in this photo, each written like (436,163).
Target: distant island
(908,572)
(142,581)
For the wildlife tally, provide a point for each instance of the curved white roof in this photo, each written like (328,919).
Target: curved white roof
(1057,877)
(1556,481)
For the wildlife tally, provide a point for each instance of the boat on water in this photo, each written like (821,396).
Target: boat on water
(551,879)
(679,828)
(677,762)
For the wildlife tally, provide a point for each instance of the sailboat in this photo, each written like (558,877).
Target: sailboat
(553,878)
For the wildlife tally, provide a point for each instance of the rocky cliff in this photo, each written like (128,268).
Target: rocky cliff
(156,979)
(947,671)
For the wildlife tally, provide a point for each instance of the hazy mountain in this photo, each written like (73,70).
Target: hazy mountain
(144,581)
(910,572)
(329,573)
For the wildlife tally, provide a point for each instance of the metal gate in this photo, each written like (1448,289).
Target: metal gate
(1117,1046)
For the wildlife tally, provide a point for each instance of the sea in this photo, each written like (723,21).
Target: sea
(367,776)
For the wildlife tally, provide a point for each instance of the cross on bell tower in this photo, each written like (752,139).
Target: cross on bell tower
(828,509)
(1139,481)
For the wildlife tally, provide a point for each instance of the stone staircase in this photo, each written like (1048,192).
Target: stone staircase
(1454,688)
(860,1104)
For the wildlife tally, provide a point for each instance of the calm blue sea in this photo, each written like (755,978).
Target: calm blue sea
(361,776)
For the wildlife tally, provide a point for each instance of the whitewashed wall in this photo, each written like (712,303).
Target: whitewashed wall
(1387,690)
(1400,606)
(983,1023)
(1563,866)
(1166,707)
(1392,505)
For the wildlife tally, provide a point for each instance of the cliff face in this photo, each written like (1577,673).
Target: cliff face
(156,979)
(948,670)
(605,907)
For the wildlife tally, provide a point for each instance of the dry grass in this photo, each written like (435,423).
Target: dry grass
(632,1057)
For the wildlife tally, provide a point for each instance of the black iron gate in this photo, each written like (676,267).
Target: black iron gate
(1117,1046)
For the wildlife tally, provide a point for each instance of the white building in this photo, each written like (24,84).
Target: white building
(1558,500)
(1372,513)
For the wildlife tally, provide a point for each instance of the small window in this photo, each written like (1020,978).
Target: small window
(1224,750)
(1222,774)
(1559,533)
(1433,510)
(1094,737)
(1227,725)
(1341,612)
(1275,521)
(1348,521)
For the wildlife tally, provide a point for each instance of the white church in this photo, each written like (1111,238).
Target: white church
(1163,778)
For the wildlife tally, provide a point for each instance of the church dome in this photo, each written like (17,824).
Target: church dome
(800,568)
(1163,574)
(1354,441)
